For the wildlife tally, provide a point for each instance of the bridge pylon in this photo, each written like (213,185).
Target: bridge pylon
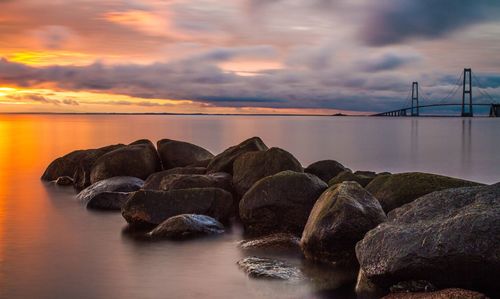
(467,94)
(414,99)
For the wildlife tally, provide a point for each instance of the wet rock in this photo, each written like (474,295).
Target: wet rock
(450,238)
(153,181)
(363,178)
(64,181)
(253,166)
(266,268)
(115,184)
(442,294)
(412,286)
(149,207)
(339,219)
(68,164)
(139,159)
(175,153)
(223,162)
(279,242)
(108,201)
(280,203)
(186,181)
(395,190)
(187,226)
(325,169)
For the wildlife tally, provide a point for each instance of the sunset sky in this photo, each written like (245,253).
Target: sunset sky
(240,56)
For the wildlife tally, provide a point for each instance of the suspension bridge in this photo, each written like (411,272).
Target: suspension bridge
(465,83)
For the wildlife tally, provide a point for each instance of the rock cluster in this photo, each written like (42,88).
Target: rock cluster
(439,231)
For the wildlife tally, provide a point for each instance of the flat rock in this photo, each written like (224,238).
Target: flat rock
(253,166)
(265,268)
(115,184)
(108,201)
(151,207)
(395,190)
(442,294)
(138,159)
(175,153)
(325,169)
(280,203)
(153,181)
(274,242)
(339,219)
(223,162)
(187,226)
(450,238)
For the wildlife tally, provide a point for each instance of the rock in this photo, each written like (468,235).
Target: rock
(326,169)
(412,286)
(149,207)
(442,294)
(280,203)
(175,153)
(363,178)
(395,190)
(68,164)
(115,184)
(223,162)
(187,226)
(339,219)
(187,181)
(153,181)
(282,242)
(110,201)
(64,181)
(266,268)
(250,167)
(450,238)
(139,159)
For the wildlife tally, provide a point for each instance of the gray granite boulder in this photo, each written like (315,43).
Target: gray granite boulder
(115,184)
(325,169)
(223,162)
(153,181)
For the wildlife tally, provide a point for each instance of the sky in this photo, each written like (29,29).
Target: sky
(242,56)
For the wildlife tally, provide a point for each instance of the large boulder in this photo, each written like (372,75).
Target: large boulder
(280,203)
(154,180)
(223,162)
(115,184)
(450,238)
(339,219)
(68,164)
(395,190)
(361,177)
(175,153)
(187,181)
(442,294)
(187,226)
(325,169)
(108,201)
(253,166)
(149,207)
(138,159)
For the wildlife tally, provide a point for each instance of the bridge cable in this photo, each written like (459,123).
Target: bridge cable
(481,89)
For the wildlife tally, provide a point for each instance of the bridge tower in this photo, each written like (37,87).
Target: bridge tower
(467,94)
(414,99)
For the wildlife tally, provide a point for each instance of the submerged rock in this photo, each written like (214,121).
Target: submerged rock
(64,181)
(326,169)
(442,294)
(339,219)
(115,184)
(108,201)
(153,181)
(187,226)
(363,178)
(395,190)
(267,268)
(412,286)
(148,207)
(253,166)
(223,162)
(175,153)
(450,238)
(281,242)
(187,181)
(139,159)
(280,203)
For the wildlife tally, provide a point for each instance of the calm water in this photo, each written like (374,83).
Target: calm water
(51,247)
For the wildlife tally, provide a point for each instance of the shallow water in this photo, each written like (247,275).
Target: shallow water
(51,247)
